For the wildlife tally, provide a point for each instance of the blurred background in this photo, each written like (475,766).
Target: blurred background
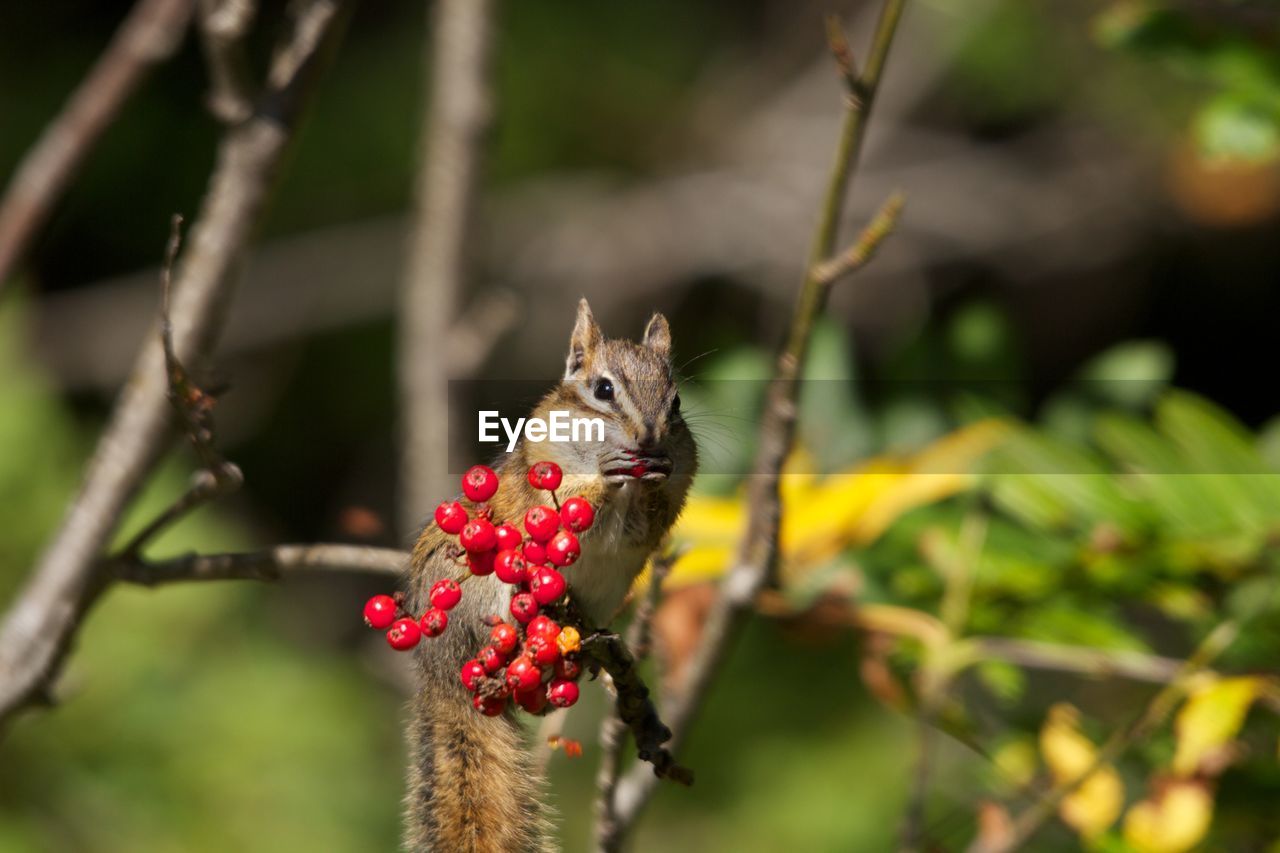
(1084,278)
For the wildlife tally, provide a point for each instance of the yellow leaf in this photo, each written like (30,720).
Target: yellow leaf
(1095,804)
(1173,820)
(821,516)
(1210,719)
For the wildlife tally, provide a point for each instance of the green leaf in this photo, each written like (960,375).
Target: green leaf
(1158,476)
(1072,481)
(1005,681)
(1232,127)
(1090,624)
(1220,448)
(1130,374)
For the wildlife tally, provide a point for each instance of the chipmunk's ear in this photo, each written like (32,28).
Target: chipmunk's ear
(657,335)
(584,340)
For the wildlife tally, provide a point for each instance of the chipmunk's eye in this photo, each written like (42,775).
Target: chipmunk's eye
(675,405)
(604,389)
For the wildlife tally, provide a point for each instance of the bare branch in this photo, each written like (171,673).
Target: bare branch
(268,565)
(224,24)
(838,43)
(483,323)
(148,36)
(634,707)
(896,621)
(38,629)
(450,162)
(613,727)
(194,407)
(756,559)
(864,248)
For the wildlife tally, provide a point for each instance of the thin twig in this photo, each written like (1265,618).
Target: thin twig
(147,37)
(838,44)
(756,560)
(936,675)
(864,248)
(39,627)
(266,565)
(908,622)
(612,727)
(194,407)
(450,162)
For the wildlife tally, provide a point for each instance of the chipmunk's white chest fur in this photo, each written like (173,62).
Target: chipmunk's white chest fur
(613,553)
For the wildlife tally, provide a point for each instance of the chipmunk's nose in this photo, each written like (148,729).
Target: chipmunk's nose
(649,439)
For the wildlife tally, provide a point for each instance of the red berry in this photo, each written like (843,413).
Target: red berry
(445,594)
(533,700)
(535,553)
(564,549)
(523,674)
(491,707)
(380,612)
(542,627)
(638,471)
(451,517)
(509,536)
(504,638)
(577,514)
(541,522)
(491,659)
(545,476)
(472,672)
(478,535)
(479,483)
(404,634)
(433,622)
(480,563)
(543,651)
(547,585)
(523,607)
(562,693)
(510,567)
(568,669)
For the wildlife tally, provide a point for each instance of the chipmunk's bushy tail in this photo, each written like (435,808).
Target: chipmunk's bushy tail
(472,787)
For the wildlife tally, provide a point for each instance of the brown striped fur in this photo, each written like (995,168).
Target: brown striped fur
(471,783)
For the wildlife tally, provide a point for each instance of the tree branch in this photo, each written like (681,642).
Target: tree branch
(634,707)
(453,133)
(39,627)
(148,36)
(864,248)
(896,621)
(267,565)
(194,407)
(223,27)
(613,727)
(756,560)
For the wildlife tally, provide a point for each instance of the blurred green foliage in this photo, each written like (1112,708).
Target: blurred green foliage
(247,717)
(1226,48)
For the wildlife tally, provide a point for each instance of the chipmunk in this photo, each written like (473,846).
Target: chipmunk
(472,786)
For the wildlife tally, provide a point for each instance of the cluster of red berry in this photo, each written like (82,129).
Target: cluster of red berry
(533,662)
